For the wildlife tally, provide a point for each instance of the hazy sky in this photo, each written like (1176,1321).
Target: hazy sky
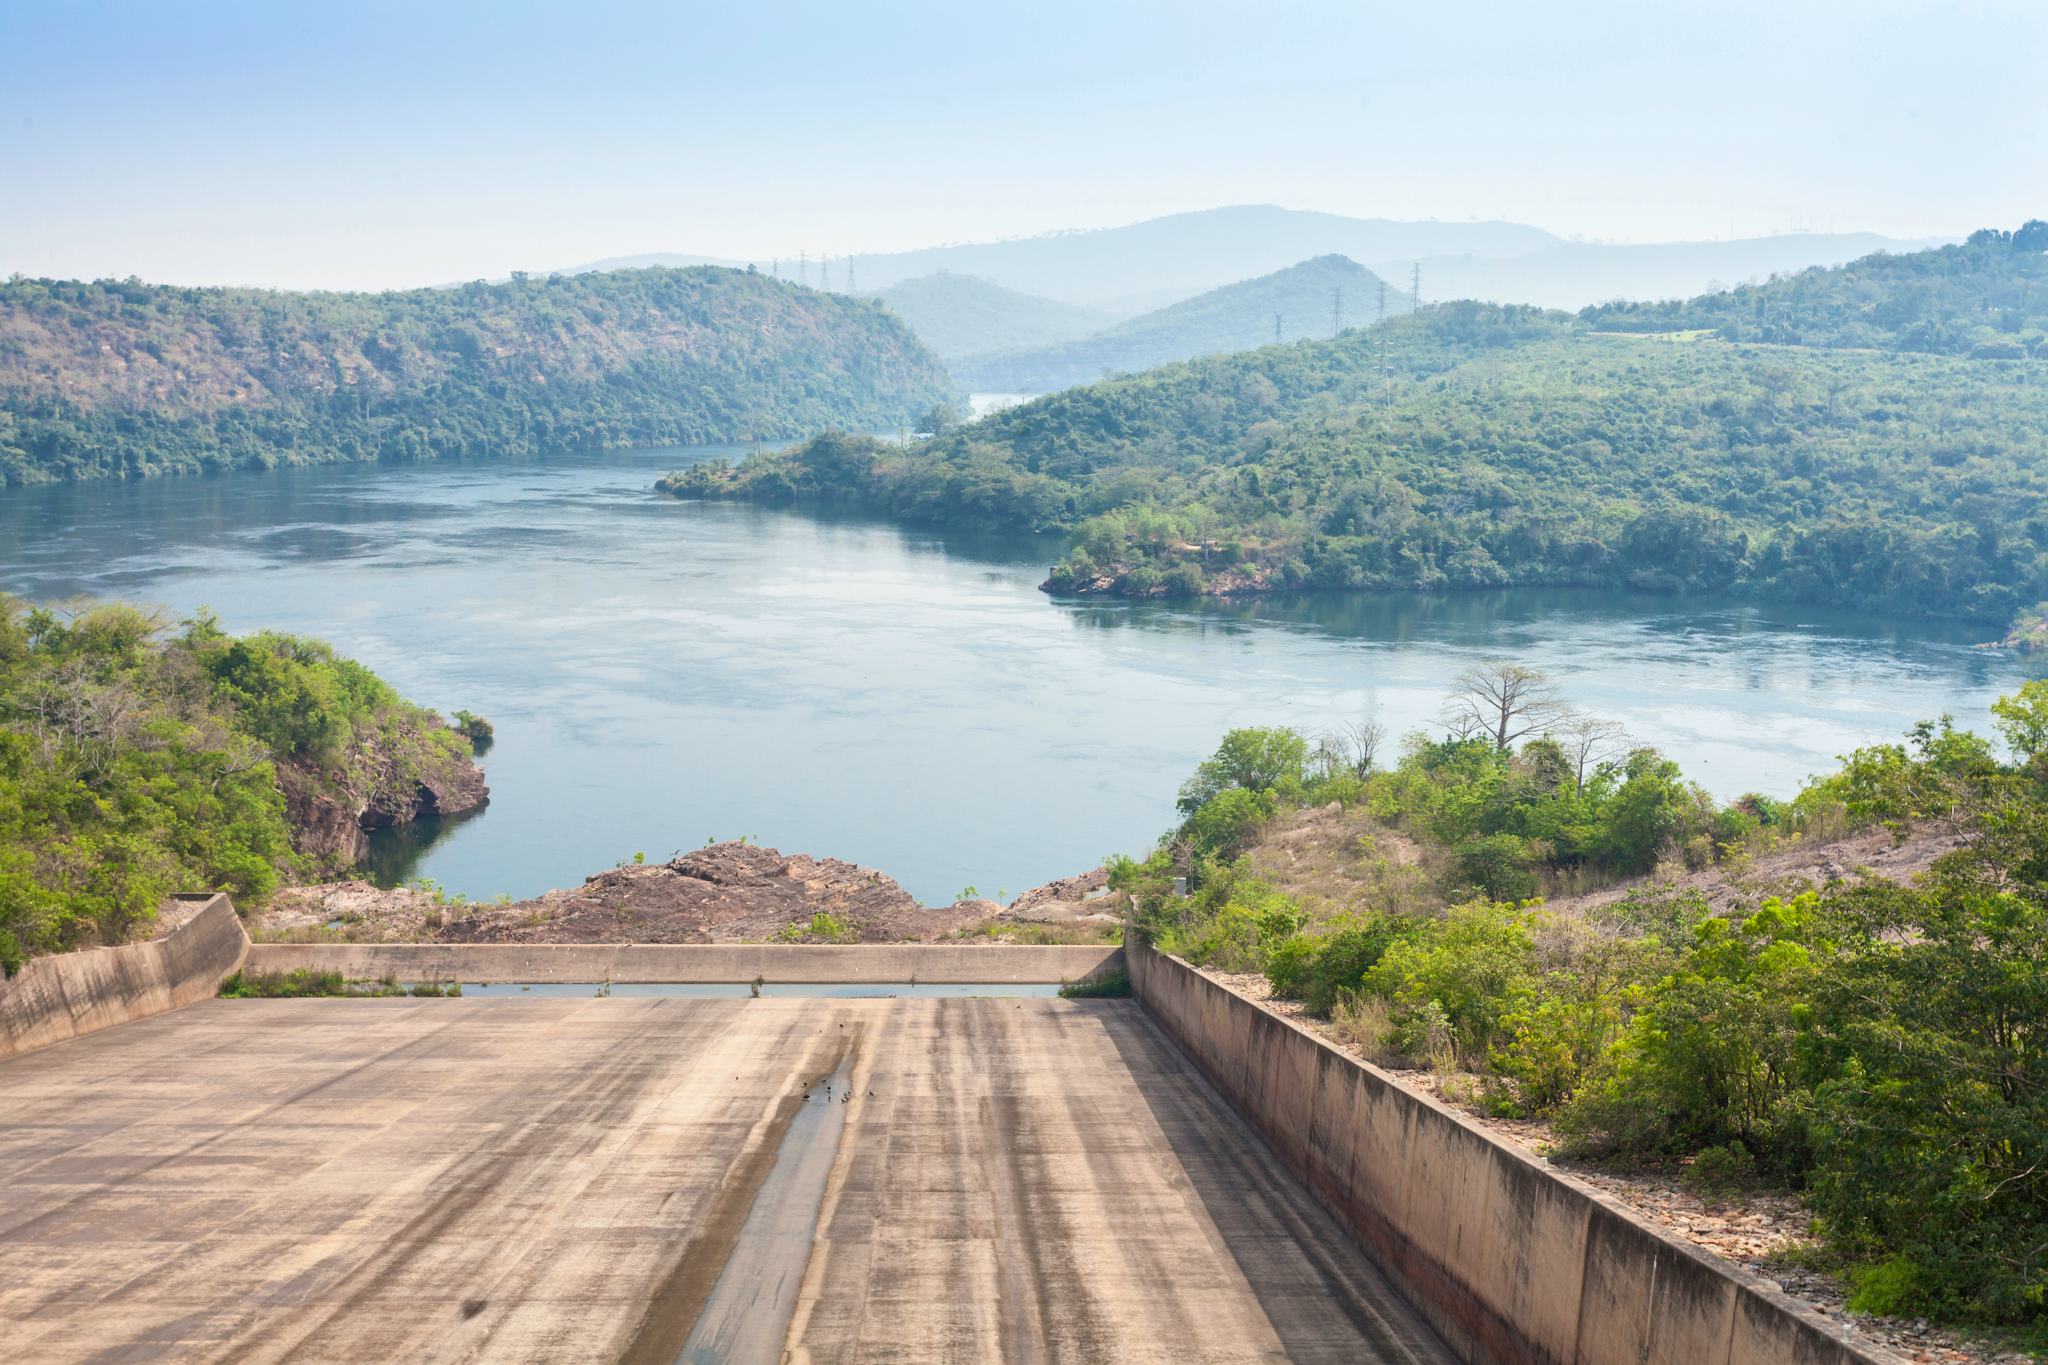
(292,142)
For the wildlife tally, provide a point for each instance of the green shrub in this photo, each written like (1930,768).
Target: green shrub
(1103,986)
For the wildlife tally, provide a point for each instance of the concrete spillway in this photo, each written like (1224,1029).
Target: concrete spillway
(1010,1179)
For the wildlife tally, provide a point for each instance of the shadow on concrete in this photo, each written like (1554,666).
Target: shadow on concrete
(1325,1299)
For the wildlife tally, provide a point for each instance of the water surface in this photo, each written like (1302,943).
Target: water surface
(662,673)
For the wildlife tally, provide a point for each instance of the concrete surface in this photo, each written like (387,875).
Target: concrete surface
(66,995)
(1508,1259)
(548,1180)
(690,962)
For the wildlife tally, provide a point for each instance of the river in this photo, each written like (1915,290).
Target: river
(663,673)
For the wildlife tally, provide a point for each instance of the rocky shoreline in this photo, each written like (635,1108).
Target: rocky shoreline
(332,812)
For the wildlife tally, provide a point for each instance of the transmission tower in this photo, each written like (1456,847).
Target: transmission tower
(1383,301)
(825,272)
(775,268)
(803,268)
(1415,289)
(849,277)
(1276,327)
(1336,311)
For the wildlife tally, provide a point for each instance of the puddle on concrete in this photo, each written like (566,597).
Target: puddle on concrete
(837,990)
(749,1309)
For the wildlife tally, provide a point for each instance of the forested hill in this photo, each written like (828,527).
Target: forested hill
(1987,299)
(120,378)
(1471,445)
(1310,299)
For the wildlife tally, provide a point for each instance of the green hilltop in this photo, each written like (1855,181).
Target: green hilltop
(120,378)
(1474,445)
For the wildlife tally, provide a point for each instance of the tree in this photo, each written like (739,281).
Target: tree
(2023,718)
(1587,742)
(1503,701)
(937,420)
(1257,759)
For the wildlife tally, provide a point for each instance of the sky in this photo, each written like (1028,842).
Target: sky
(377,145)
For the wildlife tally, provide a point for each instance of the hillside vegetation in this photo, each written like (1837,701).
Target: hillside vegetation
(959,315)
(136,762)
(1305,300)
(120,378)
(1875,1046)
(1499,446)
(1987,299)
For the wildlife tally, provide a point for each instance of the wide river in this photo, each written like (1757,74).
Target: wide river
(662,673)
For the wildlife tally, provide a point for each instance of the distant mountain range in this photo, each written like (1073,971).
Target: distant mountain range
(962,315)
(1313,299)
(1128,270)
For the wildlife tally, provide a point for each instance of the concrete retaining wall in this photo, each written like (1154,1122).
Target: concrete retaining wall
(68,994)
(1508,1259)
(689,962)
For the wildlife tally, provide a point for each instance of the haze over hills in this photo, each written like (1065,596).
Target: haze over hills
(960,315)
(1311,299)
(1147,265)
(122,378)
(1575,274)
(1512,446)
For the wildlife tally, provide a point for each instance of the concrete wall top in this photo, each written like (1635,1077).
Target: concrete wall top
(65,995)
(1509,1259)
(808,963)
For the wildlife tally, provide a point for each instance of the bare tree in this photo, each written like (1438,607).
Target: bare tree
(1503,701)
(1366,737)
(1588,741)
(1349,750)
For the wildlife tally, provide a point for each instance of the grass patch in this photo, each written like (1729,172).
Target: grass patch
(823,928)
(305,983)
(1110,985)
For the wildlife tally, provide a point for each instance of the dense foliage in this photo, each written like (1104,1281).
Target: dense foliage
(120,378)
(1479,446)
(1881,1048)
(1987,299)
(135,763)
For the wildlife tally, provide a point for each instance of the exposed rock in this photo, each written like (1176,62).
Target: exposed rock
(1083,898)
(723,893)
(330,812)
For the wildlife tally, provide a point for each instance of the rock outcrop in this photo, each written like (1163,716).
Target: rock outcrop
(722,893)
(332,812)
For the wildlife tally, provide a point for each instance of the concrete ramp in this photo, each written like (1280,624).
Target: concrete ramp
(999,1179)
(68,994)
